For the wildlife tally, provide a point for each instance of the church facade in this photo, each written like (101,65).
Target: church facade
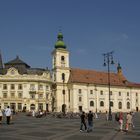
(65,89)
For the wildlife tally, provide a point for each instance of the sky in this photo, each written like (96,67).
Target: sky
(29,28)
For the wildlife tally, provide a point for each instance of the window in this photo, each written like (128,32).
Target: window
(32,87)
(111,104)
(40,96)
(80,91)
(128,105)
(63,92)
(40,87)
(63,77)
(119,93)
(101,103)
(91,91)
(40,106)
(20,95)
(4,95)
(120,105)
(80,99)
(20,86)
(136,94)
(12,86)
(91,103)
(62,58)
(47,87)
(127,93)
(4,86)
(110,92)
(12,95)
(19,106)
(32,96)
(101,92)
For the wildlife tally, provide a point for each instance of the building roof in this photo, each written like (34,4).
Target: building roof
(99,78)
(17,61)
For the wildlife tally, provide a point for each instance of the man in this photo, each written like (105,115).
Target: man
(8,114)
(83,121)
(90,121)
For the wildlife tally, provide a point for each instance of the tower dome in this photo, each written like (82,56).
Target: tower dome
(60,43)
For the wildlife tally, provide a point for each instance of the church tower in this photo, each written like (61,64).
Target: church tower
(60,73)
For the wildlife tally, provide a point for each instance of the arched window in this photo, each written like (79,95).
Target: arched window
(120,105)
(91,103)
(63,77)
(102,103)
(111,104)
(62,58)
(128,105)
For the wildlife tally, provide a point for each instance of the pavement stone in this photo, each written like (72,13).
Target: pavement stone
(24,127)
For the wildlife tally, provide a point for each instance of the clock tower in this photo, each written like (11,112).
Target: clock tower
(60,73)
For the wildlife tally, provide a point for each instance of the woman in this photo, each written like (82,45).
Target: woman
(121,121)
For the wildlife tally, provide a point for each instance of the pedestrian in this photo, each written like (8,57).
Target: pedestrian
(90,121)
(106,114)
(83,121)
(129,121)
(1,115)
(8,114)
(121,121)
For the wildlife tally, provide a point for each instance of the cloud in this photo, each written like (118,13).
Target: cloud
(124,36)
(81,51)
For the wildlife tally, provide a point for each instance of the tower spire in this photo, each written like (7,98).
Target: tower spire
(1,63)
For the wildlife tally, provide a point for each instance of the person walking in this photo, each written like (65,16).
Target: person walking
(8,113)
(1,115)
(121,121)
(129,121)
(90,121)
(83,121)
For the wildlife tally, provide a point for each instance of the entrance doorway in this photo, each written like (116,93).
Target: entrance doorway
(32,107)
(64,108)
(137,109)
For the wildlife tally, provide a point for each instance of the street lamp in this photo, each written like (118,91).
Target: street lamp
(108,59)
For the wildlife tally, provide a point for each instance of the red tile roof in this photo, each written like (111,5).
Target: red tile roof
(98,77)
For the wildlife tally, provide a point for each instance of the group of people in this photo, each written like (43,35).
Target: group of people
(125,122)
(7,113)
(86,121)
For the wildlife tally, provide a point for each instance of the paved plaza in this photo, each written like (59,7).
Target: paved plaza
(24,127)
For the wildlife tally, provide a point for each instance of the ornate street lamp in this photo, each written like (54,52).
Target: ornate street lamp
(108,59)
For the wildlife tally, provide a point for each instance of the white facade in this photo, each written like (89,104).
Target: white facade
(25,92)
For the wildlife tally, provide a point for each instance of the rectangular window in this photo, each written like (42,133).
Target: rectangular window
(20,86)
(12,95)
(91,91)
(12,86)
(127,93)
(101,92)
(19,95)
(32,87)
(40,96)
(32,96)
(4,95)
(40,87)
(20,106)
(119,93)
(4,86)
(80,91)
(110,92)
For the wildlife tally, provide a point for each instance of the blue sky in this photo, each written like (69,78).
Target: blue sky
(29,28)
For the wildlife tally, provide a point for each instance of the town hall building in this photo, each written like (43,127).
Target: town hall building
(65,89)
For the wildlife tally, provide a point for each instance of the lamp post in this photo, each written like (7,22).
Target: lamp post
(96,96)
(108,59)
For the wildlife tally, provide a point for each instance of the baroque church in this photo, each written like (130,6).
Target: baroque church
(65,89)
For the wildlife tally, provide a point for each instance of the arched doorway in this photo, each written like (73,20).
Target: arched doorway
(32,107)
(64,108)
